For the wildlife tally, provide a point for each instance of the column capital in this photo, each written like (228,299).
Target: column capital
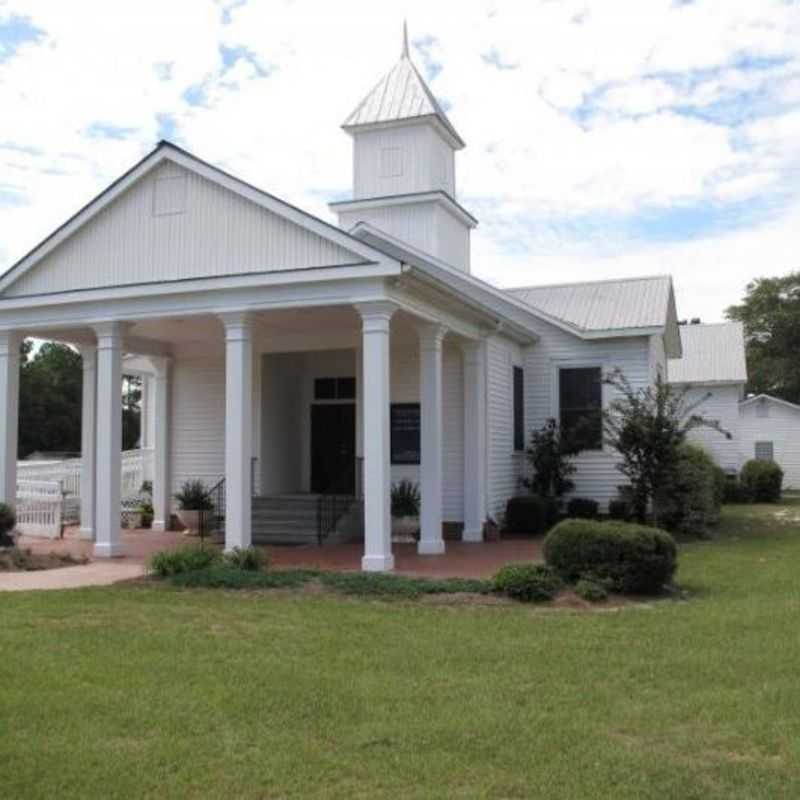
(10,342)
(110,333)
(431,335)
(376,310)
(238,324)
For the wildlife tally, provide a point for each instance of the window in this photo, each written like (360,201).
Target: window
(765,451)
(334,388)
(391,162)
(519,409)
(581,405)
(405,428)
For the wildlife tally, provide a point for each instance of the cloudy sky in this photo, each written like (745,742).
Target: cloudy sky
(605,138)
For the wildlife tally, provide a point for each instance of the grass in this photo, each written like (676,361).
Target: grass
(151,691)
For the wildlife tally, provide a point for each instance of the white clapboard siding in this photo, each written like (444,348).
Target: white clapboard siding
(205,230)
(503,464)
(781,426)
(198,420)
(722,405)
(597,476)
(198,416)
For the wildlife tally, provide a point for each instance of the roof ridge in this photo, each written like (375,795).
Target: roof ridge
(566,284)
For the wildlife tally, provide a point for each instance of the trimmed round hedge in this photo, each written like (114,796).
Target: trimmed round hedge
(762,480)
(633,558)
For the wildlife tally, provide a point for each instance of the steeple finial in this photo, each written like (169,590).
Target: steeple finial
(404,54)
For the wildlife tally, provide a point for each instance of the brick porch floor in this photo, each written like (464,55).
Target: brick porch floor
(460,560)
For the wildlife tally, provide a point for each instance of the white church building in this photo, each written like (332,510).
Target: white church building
(297,359)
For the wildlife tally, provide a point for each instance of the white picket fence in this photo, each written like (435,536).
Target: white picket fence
(48,492)
(40,508)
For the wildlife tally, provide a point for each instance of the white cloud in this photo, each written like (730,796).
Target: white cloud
(584,127)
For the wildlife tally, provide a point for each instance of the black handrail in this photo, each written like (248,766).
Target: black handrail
(333,504)
(216,494)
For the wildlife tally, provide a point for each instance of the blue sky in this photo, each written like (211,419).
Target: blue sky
(605,139)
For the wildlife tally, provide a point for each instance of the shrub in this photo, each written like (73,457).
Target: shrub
(689,501)
(405,499)
(619,509)
(374,584)
(735,492)
(8,520)
(582,508)
(721,481)
(248,559)
(550,456)
(531,514)
(594,591)
(633,558)
(187,559)
(762,480)
(194,496)
(222,577)
(528,583)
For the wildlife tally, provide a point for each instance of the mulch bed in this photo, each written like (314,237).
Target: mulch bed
(14,559)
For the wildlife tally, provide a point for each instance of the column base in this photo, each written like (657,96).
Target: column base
(158,525)
(430,548)
(86,534)
(377,563)
(472,535)
(109,549)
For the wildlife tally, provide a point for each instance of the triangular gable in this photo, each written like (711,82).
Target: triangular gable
(173,217)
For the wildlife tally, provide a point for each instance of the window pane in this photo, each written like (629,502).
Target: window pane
(405,433)
(581,403)
(325,389)
(519,409)
(345,388)
(765,451)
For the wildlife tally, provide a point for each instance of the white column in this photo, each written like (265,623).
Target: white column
(238,428)
(430,391)
(108,462)
(88,440)
(159,408)
(10,342)
(474,440)
(377,478)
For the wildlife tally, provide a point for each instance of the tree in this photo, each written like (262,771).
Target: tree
(647,428)
(770,313)
(50,399)
(131,411)
(549,455)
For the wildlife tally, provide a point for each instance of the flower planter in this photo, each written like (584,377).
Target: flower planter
(405,530)
(193,521)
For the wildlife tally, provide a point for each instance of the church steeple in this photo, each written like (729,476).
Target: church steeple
(404,150)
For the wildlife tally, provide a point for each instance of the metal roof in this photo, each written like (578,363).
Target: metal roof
(604,305)
(401,94)
(711,354)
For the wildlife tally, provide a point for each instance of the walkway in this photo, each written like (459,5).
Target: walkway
(460,560)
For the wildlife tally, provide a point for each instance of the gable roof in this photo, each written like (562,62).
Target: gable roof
(400,94)
(711,354)
(768,398)
(166,151)
(628,306)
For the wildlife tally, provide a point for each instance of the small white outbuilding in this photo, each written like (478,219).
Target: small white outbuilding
(770,428)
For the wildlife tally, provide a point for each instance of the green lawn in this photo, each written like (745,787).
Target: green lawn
(159,692)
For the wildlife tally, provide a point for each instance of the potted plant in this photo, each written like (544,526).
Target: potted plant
(194,504)
(405,511)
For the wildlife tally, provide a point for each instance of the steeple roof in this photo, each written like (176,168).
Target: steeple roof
(401,94)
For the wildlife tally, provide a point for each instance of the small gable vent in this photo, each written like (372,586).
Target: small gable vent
(169,194)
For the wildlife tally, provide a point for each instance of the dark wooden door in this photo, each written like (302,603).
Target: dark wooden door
(333,448)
